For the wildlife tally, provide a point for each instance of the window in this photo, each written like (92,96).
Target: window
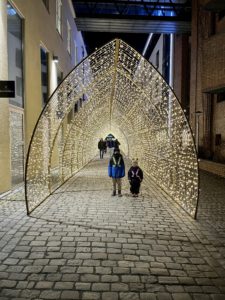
(46,3)
(157,60)
(44,75)
(15,53)
(59,76)
(68,37)
(18,58)
(19,86)
(59,16)
(221,15)
(221,97)
(75,53)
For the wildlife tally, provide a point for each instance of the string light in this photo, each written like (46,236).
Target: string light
(127,97)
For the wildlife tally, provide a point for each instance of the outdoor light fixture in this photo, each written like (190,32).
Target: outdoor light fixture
(127,97)
(55,58)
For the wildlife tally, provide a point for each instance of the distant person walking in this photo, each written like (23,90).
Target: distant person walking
(135,177)
(101,147)
(116,170)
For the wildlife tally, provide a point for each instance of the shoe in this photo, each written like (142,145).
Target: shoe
(119,194)
(114,193)
(136,195)
(133,195)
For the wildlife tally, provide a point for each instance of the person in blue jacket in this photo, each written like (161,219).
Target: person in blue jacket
(116,170)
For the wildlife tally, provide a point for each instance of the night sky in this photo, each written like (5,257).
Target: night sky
(98,39)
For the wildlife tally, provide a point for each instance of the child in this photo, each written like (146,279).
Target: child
(135,177)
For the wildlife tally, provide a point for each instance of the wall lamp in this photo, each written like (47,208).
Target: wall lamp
(55,58)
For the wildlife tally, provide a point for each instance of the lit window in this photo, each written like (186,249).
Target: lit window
(59,16)
(68,37)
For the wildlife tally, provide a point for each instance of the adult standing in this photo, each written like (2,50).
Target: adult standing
(116,170)
(101,147)
(116,144)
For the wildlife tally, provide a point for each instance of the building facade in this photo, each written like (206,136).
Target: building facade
(207,88)
(39,45)
(198,78)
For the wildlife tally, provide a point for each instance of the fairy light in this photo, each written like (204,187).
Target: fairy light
(128,98)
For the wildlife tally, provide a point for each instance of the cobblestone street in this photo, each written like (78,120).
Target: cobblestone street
(82,243)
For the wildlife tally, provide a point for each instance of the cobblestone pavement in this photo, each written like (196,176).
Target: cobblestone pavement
(82,243)
(212,202)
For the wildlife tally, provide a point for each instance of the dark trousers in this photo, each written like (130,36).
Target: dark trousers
(101,153)
(135,186)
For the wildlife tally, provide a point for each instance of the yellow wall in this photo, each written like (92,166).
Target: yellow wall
(40,29)
(5,176)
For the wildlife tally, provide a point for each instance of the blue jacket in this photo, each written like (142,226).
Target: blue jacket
(116,167)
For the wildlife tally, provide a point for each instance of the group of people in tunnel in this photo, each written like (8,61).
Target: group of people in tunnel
(116,168)
(104,144)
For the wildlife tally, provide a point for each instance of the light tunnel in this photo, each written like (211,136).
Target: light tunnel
(126,96)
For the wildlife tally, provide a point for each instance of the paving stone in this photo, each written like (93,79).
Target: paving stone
(130,278)
(70,277)
(128,296)
(100,287)
(44,285)
(109,278)
(181,296)
(7,283)
(17,276)
(120,270)
(11,261)
(103,270)
(147,296)
(83,286)
(90,278)
(119,287)
(164,296)
(158,271)
(64,285)
(102,256)
(32,269)
(91,296)
(30,294)
(140,271)
(85,270)
(108,263)
(110,296)
(167,280)
(70,295)
(49,294)
(136,287)
(202,297)
(91,263)
(218,297)
(53,277)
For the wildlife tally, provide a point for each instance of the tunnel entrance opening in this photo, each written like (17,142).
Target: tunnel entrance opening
(128,98)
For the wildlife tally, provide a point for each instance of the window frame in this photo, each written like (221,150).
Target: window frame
(59,16)
(69,37)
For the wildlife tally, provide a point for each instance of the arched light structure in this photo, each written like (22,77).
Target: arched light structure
(127,97)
